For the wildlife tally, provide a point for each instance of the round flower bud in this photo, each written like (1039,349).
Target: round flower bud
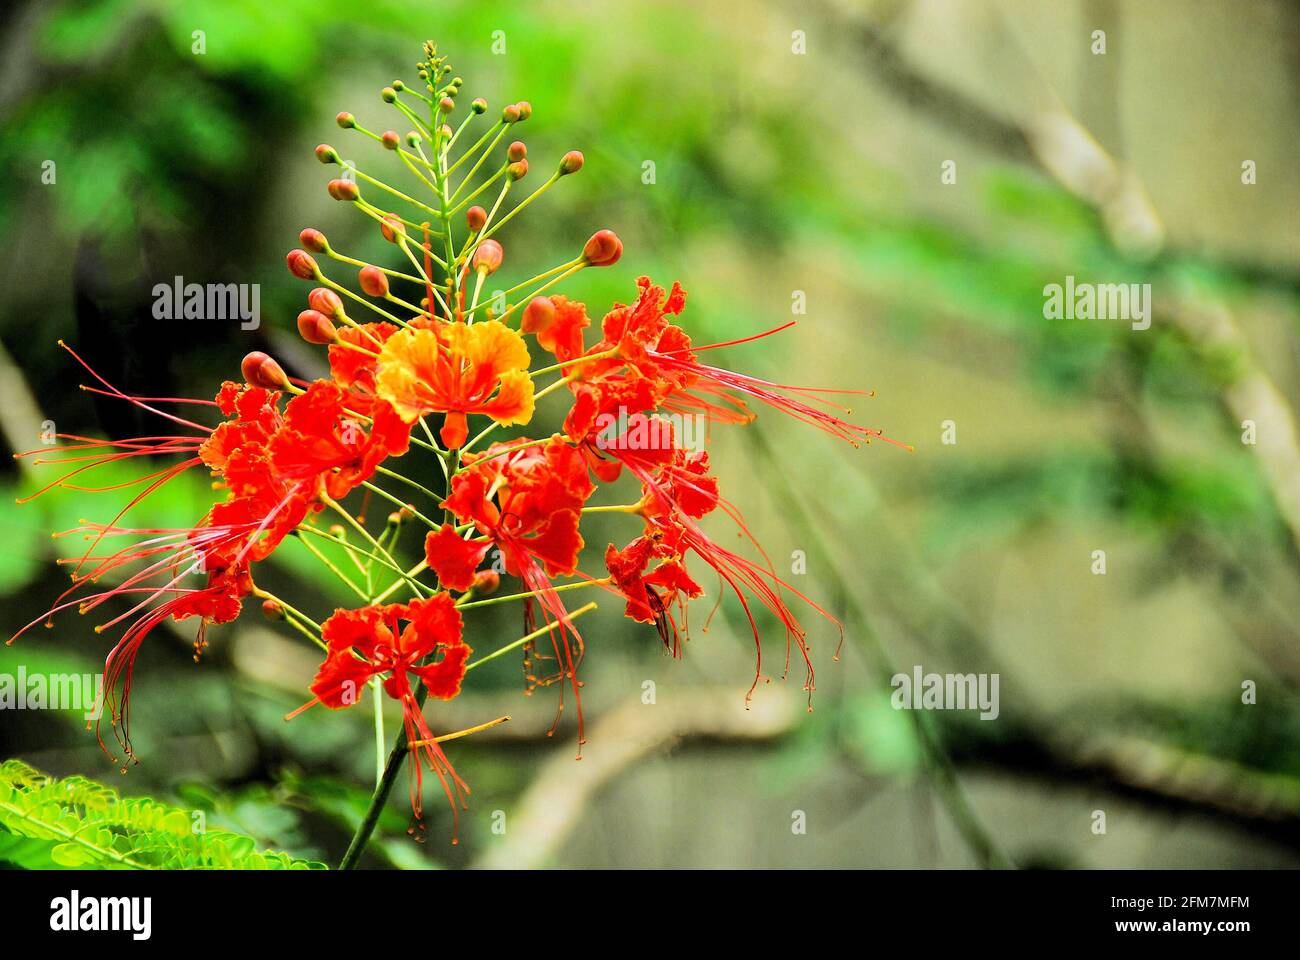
(445,131)
(326,301)
(479,105)
(391,139)
(373,281)
(398,85)
(314,241)
(346,190)
(517,170)
(486,583)
(346,120)
(272,610)
(388,94)
(603,249)
(517,151)
(392,228)
(302,265)
(476,217)
(571,162)
(525,109)
(327,154)
(413,139)
(488,256)
(511,113)
(446,104)
(260,370)
(315,327)
(538,315)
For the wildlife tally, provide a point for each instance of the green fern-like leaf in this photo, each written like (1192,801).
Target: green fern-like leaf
(46,823)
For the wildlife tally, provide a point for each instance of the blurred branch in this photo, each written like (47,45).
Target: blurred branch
(554,804)
(1060,145)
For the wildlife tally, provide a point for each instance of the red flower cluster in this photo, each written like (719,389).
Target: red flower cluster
(437,351)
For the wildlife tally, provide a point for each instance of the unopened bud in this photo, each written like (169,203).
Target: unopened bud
(260,370)
(326,301)
(538,315)
(272,610)
(511,113)
(486,583)
(571,162)
(392,228)
(445,131)
(476,217)
(327,154)
(388,94)
(446,104)
(346,120)
(345,190)
(374,281)
(302,265)
(487,256)
(391,139)
(479,105)
(603,249)
(314,241)
(517,170)
(517,151)
(525,109)
(315,327)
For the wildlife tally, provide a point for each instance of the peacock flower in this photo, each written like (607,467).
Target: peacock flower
(457,369)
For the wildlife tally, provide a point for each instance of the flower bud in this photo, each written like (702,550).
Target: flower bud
(446,104)
(272,610)
(538,315)
(525,109)
(391,139)
(488,256)
(327,154)
(517,170)
(445,131)
(302,265)
(603,249)
(388,95)
(314,241)
(486,583)
(479,105)
(315,327)
(517,151)
(260,370)
(392,228)
(476,217)
(511,113)
(326,301)
(373,281)
(346,120)
(571,162)
(344,190)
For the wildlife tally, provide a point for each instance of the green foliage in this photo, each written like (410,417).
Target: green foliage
(46,823)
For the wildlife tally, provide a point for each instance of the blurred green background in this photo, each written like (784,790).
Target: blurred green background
(796,148)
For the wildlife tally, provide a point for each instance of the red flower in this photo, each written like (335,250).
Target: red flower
(527,502)
(650,597)
(457,369)
(321,441)
(649,346)
(371,641)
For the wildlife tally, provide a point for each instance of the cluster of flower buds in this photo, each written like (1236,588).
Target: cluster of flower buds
(424,374)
